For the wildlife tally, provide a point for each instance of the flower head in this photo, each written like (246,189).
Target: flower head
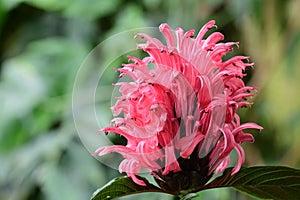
(179,118)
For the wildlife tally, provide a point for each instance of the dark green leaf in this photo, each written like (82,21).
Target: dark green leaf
(123,186)
(266,182)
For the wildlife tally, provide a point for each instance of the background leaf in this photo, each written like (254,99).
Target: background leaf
(122,186)
(267,182)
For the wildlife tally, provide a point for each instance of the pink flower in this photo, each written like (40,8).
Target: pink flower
(180,116)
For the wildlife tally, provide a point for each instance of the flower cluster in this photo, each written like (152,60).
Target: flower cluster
(180,115)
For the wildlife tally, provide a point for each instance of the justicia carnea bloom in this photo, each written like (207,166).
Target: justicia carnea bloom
(179,116)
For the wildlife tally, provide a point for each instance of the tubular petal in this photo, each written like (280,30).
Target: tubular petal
(185,105)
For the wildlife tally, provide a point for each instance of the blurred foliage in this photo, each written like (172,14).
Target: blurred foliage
(43,43)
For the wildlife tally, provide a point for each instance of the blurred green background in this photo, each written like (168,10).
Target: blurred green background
(44,42)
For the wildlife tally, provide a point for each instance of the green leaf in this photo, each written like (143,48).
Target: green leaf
(265,182)
(123,186)
(189,196)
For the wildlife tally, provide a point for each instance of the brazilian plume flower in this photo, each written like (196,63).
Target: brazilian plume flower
(178,114)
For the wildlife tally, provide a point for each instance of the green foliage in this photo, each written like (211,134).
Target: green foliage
(266,182)
(122,186)
(90,9)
